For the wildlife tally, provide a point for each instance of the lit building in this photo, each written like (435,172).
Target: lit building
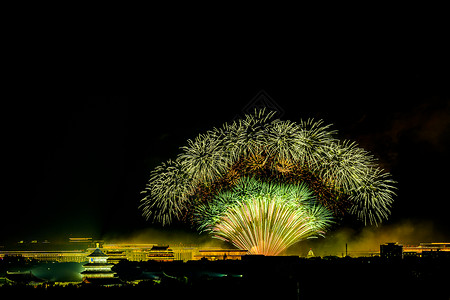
(131,252)
(161,253)
(145,252)
(97,268)
(391,251)
(124,251)
(184,253)
(220,254)
(57,256)
(115,255)
(426,248)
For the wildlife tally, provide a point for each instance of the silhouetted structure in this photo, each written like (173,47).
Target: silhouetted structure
(220,254)
(391,251)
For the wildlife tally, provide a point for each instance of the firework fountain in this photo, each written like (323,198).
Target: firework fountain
(264,184)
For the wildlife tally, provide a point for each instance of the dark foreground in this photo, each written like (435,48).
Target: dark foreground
(267,278)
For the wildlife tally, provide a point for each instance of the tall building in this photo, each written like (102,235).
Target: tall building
(98,270)
(391,251)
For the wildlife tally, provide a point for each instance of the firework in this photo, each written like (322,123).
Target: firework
(283,141)
(208,184)
(204,158)
(372,199)
(289,142)
(314,137)
(344,164)
(166,192)
(232,140)
(253,129)
(264,218)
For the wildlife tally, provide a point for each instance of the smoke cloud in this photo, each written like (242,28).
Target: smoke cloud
(359,241)
(169,237)
(368,239)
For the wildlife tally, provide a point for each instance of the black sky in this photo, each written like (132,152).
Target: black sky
(76,164)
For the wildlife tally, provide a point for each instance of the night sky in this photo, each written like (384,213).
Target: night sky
(75,165)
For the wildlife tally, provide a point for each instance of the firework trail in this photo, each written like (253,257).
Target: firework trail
(205,184)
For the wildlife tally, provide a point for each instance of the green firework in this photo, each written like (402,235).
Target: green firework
(263,218)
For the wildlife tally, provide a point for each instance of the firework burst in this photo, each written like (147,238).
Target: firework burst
(314,136)
(264,218)
(204,158)
(283,141)
(208,184)
(372,199)
(166,192)
(344,164)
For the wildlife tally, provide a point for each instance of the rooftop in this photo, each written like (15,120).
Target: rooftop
(159,248)
(97,253)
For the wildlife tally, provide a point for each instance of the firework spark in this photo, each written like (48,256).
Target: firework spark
(202,184)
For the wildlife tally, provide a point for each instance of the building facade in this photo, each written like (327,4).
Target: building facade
(161,253)
(220,254)
(97,267)
(391,251)
(56,256)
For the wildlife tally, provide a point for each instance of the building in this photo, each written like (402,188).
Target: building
(144,252)
(220,254)
(391,251)
(131,252)
(80,248)
(161,253)
(184,253)
(98,270)
(56,256)
(424,249)
(115,255)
